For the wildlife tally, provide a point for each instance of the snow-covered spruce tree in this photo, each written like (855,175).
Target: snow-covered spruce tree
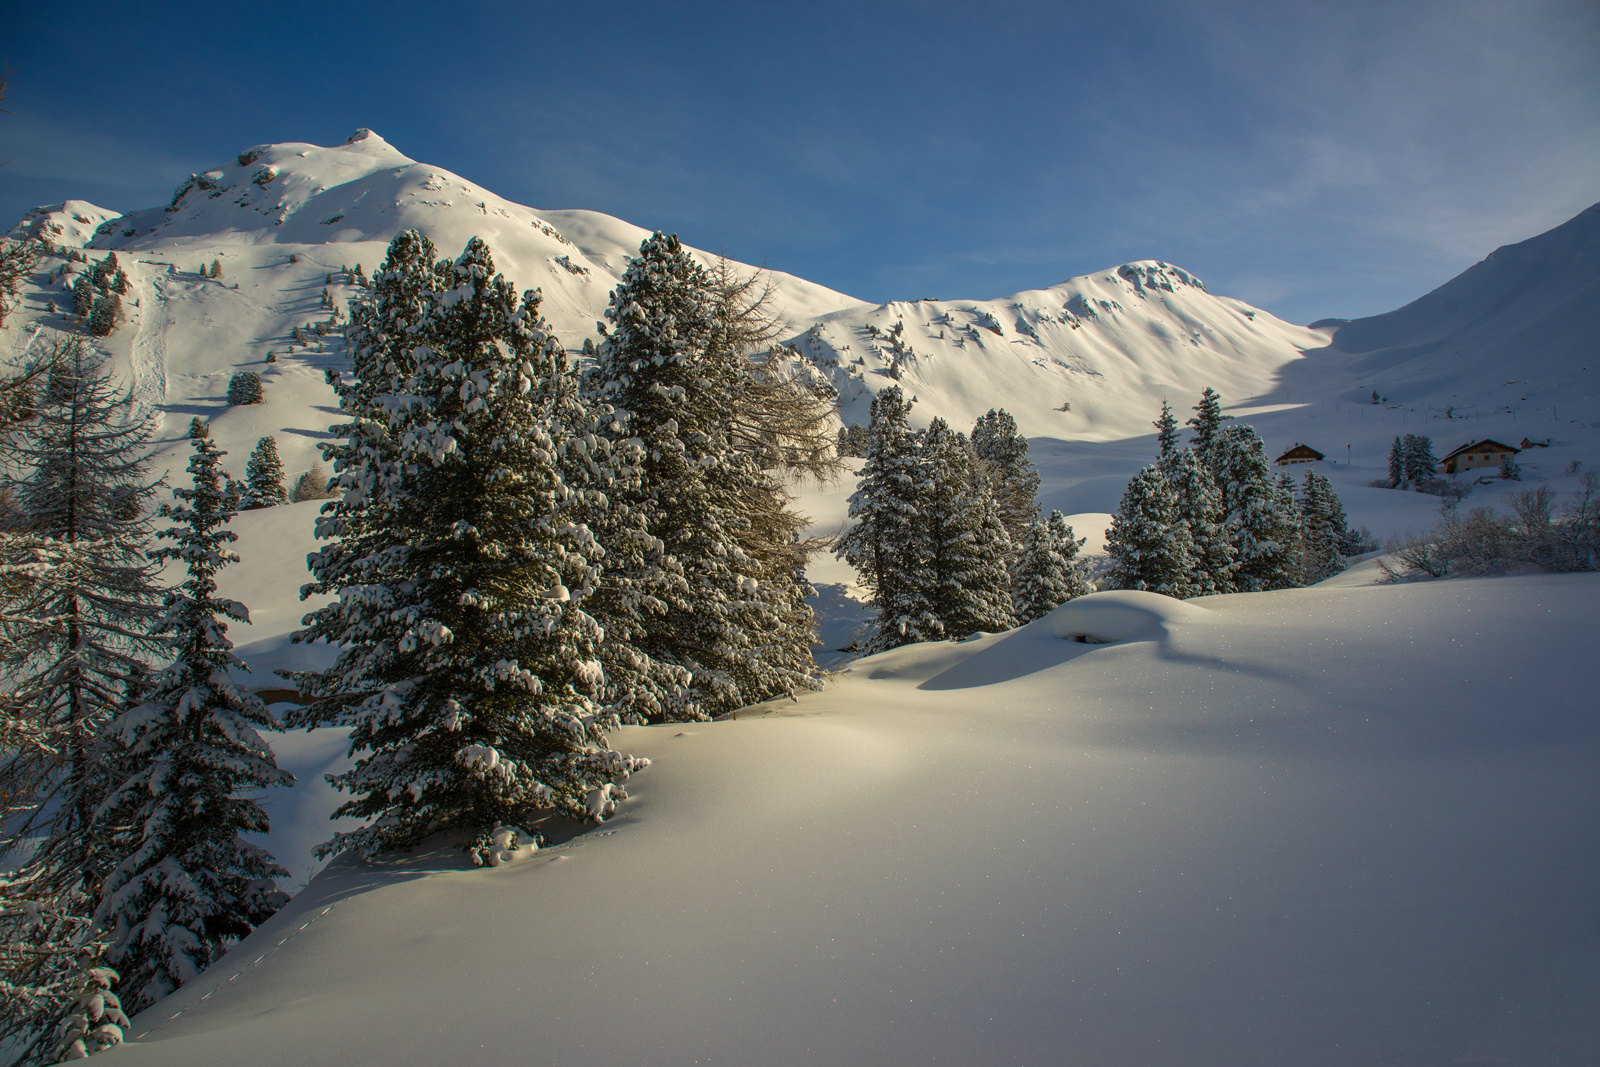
(187,885)
(82,296)
(721,596)
(471,677)
(1207,421)
(967,547)
(1148,541)
(884,542)
(263,474)
(1322,530)
(244,388)
(1397,463)
(54,991)
(387,323)
(1046,571)
(1199,508)
(1261,517)
(103,317)
(1166,434)
(1417,459)
(1011,475)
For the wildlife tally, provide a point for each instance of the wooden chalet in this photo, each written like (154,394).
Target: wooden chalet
(1528,442)
(1484,453)
(1298,454)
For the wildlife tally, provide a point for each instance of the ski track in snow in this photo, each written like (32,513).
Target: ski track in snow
(245,969)
(149,351)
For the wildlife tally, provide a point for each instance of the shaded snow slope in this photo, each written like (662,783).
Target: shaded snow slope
(1515,331)
(1319,827)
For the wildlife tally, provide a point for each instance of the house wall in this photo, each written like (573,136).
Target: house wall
(1469,460)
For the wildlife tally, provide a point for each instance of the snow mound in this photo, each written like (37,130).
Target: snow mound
(1122,615)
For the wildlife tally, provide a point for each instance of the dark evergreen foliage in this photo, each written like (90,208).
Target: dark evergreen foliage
(244,388)
(882,543)
(470,673)
(1047,573)
(721,594)
(1208,419)
(187,885)
(103,317)
(1009,472)
(263,474)
(1166,434)
(1148,541)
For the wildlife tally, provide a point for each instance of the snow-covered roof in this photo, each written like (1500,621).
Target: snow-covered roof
(1485,445)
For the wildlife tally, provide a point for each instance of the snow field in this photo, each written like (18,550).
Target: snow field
(1316,826)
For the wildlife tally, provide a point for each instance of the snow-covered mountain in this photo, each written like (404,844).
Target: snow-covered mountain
(1086,359)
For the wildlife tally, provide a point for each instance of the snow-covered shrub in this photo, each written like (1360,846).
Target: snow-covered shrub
(244,388)
(1510,469)
(1483,542)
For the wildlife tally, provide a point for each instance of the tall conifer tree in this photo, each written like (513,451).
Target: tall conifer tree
(1148,541)
(1323,530)
(1207,421)
(965,539)
(80,600)
(1199,508)
(479,681)
(1166,434)
(1047,573)
(882,543)
(264,476)
(722,596)
(188,885)
(87,488)
(1262,519)
(1011,475)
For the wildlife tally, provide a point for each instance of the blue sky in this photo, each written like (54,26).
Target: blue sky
(1313,159)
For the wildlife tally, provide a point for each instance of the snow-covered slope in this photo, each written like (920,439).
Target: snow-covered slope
(73,223)
(1314,827)
(1090,359)
(279,219)
(1521,329)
